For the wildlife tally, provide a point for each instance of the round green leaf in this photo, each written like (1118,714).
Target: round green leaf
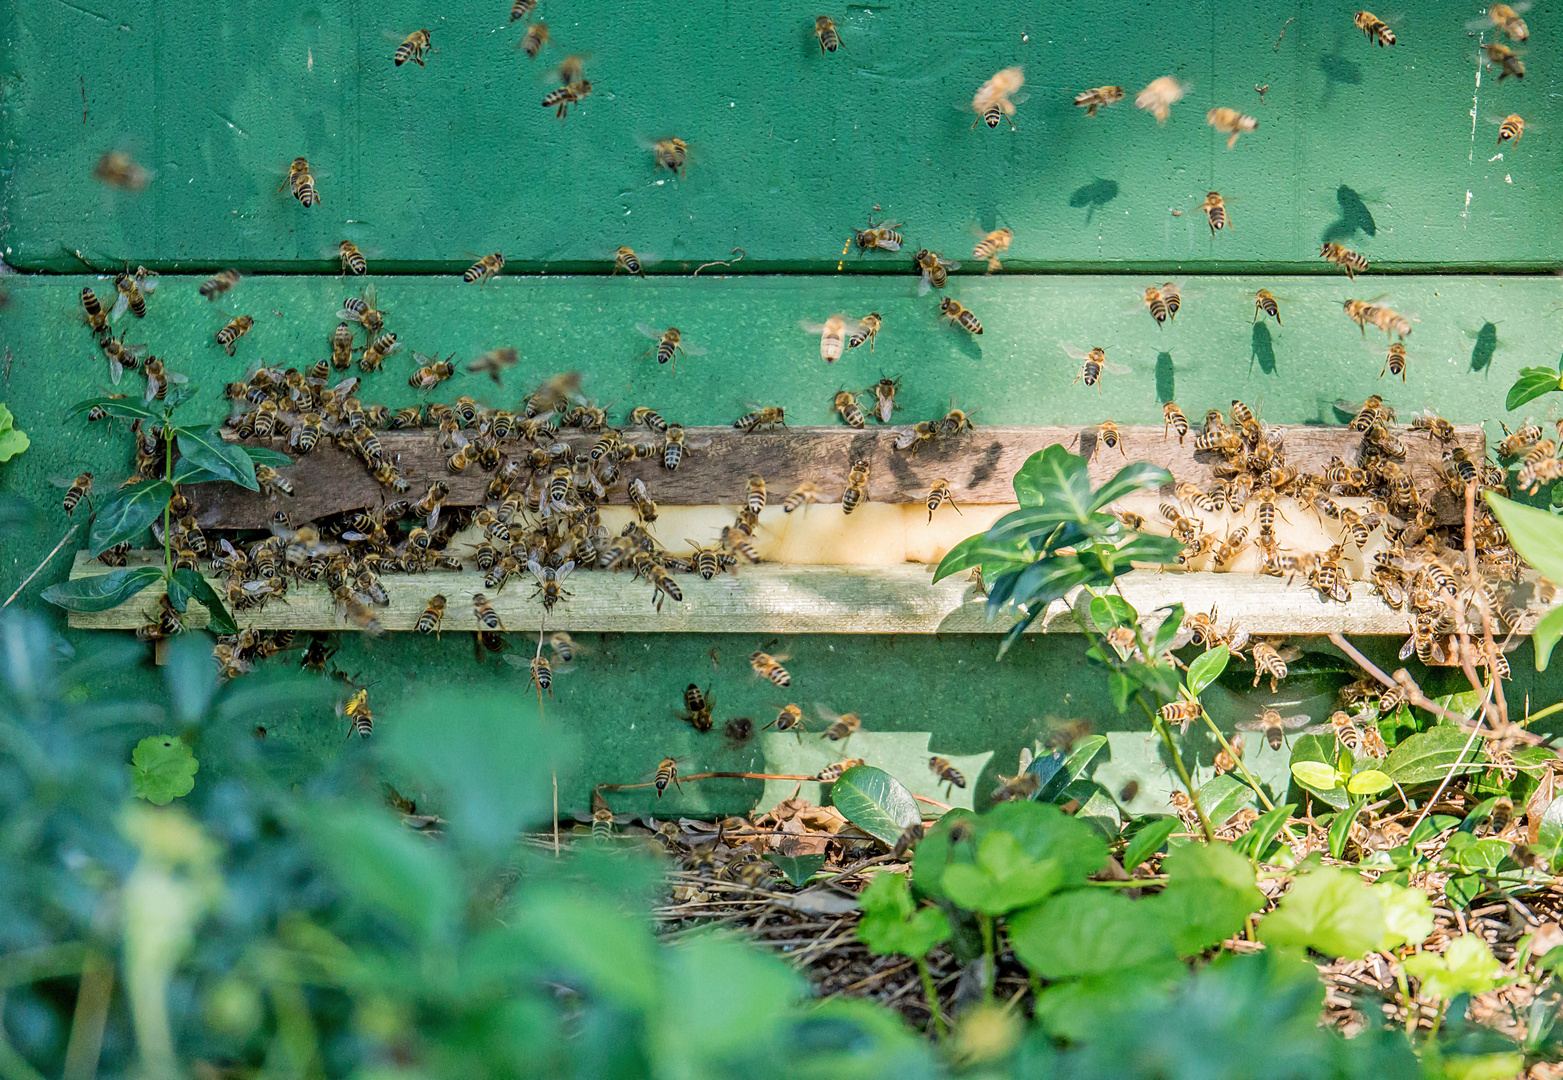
(162,768)
(1532,383)
(875,802)
(1368,782)
(102,591)
(1316,774)
(1546,635)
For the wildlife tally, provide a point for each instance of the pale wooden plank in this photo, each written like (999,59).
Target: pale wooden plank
(980,465)
(777,599)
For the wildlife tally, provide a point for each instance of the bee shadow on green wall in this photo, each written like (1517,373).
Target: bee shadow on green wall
(1262,349)
(1093,196)
(1354,217)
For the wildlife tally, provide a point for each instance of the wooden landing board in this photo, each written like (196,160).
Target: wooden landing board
(980,465)
(776,599)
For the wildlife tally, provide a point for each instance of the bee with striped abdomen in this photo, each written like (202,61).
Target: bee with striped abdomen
(959,316)
(1264,303)
(992,101)
(484,268)
(624,258)
(846,403)
(133,291)
(233,332)
(412,48)
(1174,420)
(990,245)
(1097,97)
(218,284)
(433,614)
(841,726)
(804,493)
(764,416)
(1376,29)
(697,708)
(825,30)
(857,486)
(356,709)
(947,773)
(302,182)
(1344,258)
(1230,122)
(939,495)
(934,268)
(769,667)
(1215,209)
(80,488)
(881,237)
(533,40)
(669,344)
(376,351)
(867,331)
(1510,127)
(353,260)
(561,99)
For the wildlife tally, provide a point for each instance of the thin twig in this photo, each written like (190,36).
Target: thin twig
(1403,680)
(1277,46)
(63,541)
(1476,733)
(1490,655)
(740,252)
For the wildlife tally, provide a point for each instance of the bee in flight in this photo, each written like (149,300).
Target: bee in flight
(533,40)
(833,334)
(670,153)
(624,258)
(1265,304)
(938,495)
(1230,122)
(1092,364)
(825,30)
(842,727)
(1501,56)
(769,667)
(413,48)
(572,94)
(1510,127)
(118,169)
(1215,209)
(215,286)
(992,101)
(1344,258)
(947,773)
(669,342)
(1159,97)
(80,488)
(1376,29)
(484,268)
(1504,18)
(990,244)
(1094,99)
(1274,726)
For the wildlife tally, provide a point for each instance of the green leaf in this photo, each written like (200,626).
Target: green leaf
(977,551)
(207,450)
(187,472)
(387,869)
(1320,749)
(1071,769)
(891,922)
(1167,629)
(1316,774)
(1548,629)
(1136,476)
(218,620)
(1468,853)
(1148,841)
(1054,477)
(162,768)
(1121,686)
(875,802)
(190,677)
(798,868)
(1143,547)
(178,394)
(1536,534)
(590,939)
(1045,831)
(102,591)
(1549,843)
(121,407)
(1110,610)
(1329,910)
(1407,912)
(1212,893)
(126,514)
(1088,932)
(1206,668)
(1224,796)
(263,455)
(1368,782)
(1085,1009)
(1428,756)
(1340,828)
(1003,878)
(937,851)
(1532,383)
(13,440)
(1466,967)
(179,594)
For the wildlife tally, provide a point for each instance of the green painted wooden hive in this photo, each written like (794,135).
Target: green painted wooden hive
(159,135)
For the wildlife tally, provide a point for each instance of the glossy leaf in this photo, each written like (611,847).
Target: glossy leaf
(1535,534)
(1466,967)
(206,449)
(1340,828)
(1330,910)
(177,395)
(1265,828)
(978,551)
(1549,842)
(179,594)
(1056,479)
(126,408)
(126,514)
(1207,668)
(1110,610)
(1320,749)
(1145,547)
(1316,774)
(797,868)
(187,472)
(162,768)
(264,455)
(1429,756)
(1545,636)
(875,802)
(1136,476)
(1053,787)
(1148,841)
(1368,782)
(1224,796)
(1167,629)
(219,620)
(1531,384)
(102,591)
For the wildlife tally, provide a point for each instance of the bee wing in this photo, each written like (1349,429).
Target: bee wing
(924,285)
(564,571)
(121,306)
(1072,352)
(1116,369)
(116,371)
(174,376)
(644,328)
(948,265)
(1025,758)
(824,711)
(537,571)
(1292,723)
(1255,724)
(696,444)
(148,284)
(812,327)
(370,294)
(347,316)
(692,350)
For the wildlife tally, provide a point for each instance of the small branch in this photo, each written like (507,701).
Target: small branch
(1476,733)
(1490,654)
(1402,680)
(740,252)
(1177,761)
(39,569)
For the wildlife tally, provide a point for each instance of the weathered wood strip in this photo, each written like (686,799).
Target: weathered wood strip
(778,599)
(980,466)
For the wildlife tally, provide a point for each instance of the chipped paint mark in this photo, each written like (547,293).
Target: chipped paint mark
(84,11)
(1475,99)
(227,121)
(1507,179)
(311,55)
(1496,157)
(1467,211)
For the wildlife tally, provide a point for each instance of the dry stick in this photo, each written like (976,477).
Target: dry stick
(555,771)
(740,252)
(1488,643)
(1413,692)
(63,541)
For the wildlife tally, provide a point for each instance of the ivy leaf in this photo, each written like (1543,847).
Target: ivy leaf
(1466,967)
(207,450)
(1536,534)
(1329,910)
(1206,668)
(102,591)
(875,802)
(13,440)
(126,514)
(162,768)
(1546,635)
(1430,755)
(1532,383)
(891,922)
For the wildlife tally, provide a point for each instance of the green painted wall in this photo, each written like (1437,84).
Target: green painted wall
(1387,149)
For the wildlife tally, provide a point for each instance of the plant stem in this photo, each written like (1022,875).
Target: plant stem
(1405,992)
(1177,763)
(932,994)
(168,474)
(1548,711)
(1235,756)
(92,1012)
(985,922)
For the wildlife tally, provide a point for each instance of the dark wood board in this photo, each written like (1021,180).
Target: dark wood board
(980,466)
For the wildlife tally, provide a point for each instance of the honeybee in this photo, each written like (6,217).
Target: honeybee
(1230,122)
(640,498)
(487,618)
(1267,661)
(1174,420)
(1344,258)
(667,773)
(671,154)
(947,773)
(1216,210)
(1092,364)
(938,495)
(1182,713)
(825,30)
(754,494)
(521,9)
(1395,362)
(413,48)
(857,486)
(881,237)
(935,270)
(131,287)
(1017,788)
(1156,304)
(767,416)
(806,492)
(533,40)
(1264,303)
(1274,726)
(990,245)
(1510,127)
(624,258)
(790,718)
(1228,762)
(842,726)
(376,351)
(1374,27)
(118,169)
(233,332)
(959,316)
(272,482)
(356,709)
(484,268)
(1516,443)
(1096,98)
(884,398)
(433,613)
(363,310)
(1505,18)
(992,101)
(1159,97)
(301,182)
(769,667)
(80,488)
(92,313)
(215,286)
(550,582)
(1503,57)
(669,342)
(846,403)
(832,336)
(561,99)
(431,374)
